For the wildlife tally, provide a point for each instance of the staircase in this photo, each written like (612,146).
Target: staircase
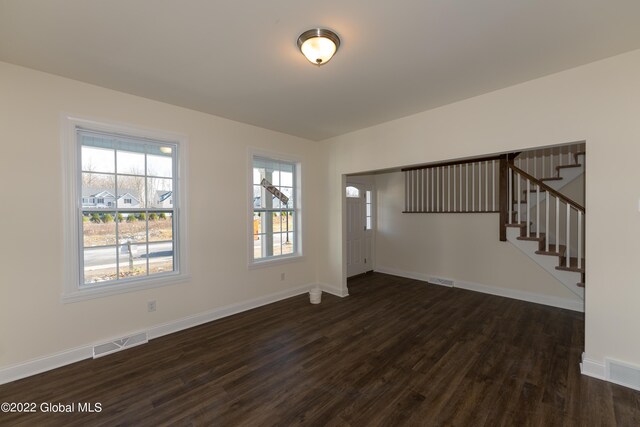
(543,222)
(530,190)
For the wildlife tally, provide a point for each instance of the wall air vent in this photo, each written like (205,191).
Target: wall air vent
(624,374)
(119,344)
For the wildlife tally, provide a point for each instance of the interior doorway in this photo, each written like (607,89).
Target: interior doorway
(360,224)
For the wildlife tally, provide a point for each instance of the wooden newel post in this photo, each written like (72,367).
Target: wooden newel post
(504,189)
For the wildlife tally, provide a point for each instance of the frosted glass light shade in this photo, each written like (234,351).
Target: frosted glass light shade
(318,45)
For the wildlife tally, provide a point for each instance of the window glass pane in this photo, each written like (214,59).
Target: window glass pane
(289,245)
(353,192)
(286,178)
(288,191)
(132,227)
(368,209)
(99,264)
(133,260)
(258,201)
(131,192)
(368,196)
(98,228)
(98,191)
(159,193)
(130,162)
(160,166)
(160,226)
(97,159)
(258,174)
(277,240)
(289,222)
(257,223)
(368,223)
(258,240)
(160,257)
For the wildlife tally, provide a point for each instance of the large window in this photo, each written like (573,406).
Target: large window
(275,209)
(127,225)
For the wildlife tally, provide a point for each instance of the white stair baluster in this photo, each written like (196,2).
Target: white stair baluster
(537,211)
(486,185)
(460,183)
(467,188)
(517,176)
(473,186)
(528,207)
(579,239)
(510,194)
(568,241)
(448,188)
(557,224)
(437,189)
(546,222)
(406,191)
(493,181)
(433,192)
(455,197)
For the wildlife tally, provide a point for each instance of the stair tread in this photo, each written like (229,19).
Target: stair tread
(577,165)
(573,265)
(553,251)
(532,236)
(552,178)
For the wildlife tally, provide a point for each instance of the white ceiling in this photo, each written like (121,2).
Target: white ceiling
(238,59)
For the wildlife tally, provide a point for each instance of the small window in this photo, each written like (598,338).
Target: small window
(353,192)
(368,204)
(275,210)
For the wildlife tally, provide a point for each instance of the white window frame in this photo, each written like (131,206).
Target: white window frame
(298,209)
(72,286)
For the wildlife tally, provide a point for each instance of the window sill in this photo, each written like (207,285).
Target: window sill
(275,261)
(115,289)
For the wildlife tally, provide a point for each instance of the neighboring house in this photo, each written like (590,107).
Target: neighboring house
(96,198)
(163,199)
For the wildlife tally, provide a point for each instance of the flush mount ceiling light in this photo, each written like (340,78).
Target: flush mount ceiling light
(318,45)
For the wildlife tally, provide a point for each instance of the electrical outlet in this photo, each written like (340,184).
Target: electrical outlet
(151,306)
(281,276)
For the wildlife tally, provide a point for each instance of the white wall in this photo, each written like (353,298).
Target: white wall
(598,103)
(34,323)
(462,247)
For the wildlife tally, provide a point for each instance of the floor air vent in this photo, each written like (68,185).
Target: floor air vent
(119,344)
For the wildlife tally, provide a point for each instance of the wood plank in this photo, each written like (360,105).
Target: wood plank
(397,351)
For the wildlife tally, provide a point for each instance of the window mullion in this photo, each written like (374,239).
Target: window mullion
(115,179)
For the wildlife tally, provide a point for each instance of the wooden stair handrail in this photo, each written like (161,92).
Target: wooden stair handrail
(546,187)
(456,162)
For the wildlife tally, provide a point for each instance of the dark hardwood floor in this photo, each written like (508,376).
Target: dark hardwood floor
(397,351)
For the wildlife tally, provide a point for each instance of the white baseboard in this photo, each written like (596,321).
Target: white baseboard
(53,361)
(592,368)
(565,303)
(612,370)
(402,273)
(43,364)
(339,292)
